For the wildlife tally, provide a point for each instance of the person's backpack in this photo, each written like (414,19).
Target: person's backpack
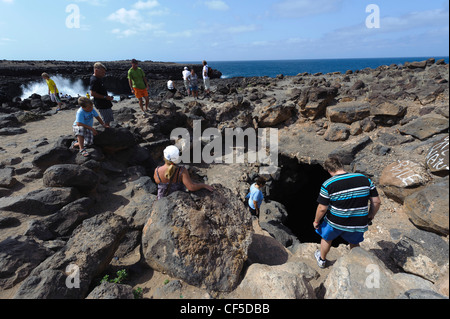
(210,72)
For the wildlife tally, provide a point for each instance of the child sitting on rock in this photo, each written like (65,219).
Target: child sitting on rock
(82,127)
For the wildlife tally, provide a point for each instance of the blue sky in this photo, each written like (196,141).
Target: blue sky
(220,30)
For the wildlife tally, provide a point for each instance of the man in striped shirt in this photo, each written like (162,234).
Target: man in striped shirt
(347,202)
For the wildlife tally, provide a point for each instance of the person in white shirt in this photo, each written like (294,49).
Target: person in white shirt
(206,77)
(186,73)
(171,86)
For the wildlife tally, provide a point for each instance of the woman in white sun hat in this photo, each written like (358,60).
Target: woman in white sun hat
(171,178)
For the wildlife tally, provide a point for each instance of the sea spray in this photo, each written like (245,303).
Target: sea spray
(65,86)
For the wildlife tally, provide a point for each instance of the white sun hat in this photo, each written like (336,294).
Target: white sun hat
(172,154)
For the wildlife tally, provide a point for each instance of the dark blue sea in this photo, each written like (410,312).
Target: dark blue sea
(272,68)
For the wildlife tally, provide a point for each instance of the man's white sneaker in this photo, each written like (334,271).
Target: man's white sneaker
(320,262)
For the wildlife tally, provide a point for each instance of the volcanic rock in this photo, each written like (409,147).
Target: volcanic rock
(87,253)
(201,239)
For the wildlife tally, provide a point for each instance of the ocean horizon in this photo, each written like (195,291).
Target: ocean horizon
(255,68)
(272,68)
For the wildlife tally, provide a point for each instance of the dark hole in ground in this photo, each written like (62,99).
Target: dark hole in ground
(297,189)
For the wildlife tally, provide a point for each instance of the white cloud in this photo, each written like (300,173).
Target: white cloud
(397,35)
(124,33)
(415,19)
(304,8)
(134,22)
(430,19)
(125,16)
(141,5)
(217,5)
(8,1)
(93,2)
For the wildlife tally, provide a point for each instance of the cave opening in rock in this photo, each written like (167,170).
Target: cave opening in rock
(297,189)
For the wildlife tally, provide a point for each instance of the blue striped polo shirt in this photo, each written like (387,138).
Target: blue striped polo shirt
(347,197)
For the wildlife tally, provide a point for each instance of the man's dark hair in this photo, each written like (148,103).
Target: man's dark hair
(333,164)
(261,181)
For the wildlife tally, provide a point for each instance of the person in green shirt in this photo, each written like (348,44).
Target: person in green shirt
(138,84)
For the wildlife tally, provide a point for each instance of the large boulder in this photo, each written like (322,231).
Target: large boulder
(314,101)
(12,131)
(19,255)
(416,65)
(201,238)
(108,290)
(425,126)
(287,281)
(437,159)
(54,156)
(42,202)
(347,151)
(337,132)
(8,120)
(272,211)
(402,178)
(114,139)
(360,275)
(275,114)
(63,222)
(266,250)
(71,175)
(348,112)
(7,179)
(387,112)
(422,253)
(428,208)
(68,274)
(404,173)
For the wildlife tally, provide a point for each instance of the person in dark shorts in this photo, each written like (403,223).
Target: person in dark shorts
(256,196)
(98,91)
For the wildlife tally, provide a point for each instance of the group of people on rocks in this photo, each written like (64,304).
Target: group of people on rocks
(83,125)
(190,81)
(139,85)
(347,202)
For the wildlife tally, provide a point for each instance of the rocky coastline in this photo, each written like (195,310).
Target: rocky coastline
(67,221)
(14,74)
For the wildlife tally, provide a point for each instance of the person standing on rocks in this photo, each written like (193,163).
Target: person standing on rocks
(347,202)
(186,73)
(98,91)
(206,80)
(255,196)
(52,91)
(138,84)
(193,83)
(171,178)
